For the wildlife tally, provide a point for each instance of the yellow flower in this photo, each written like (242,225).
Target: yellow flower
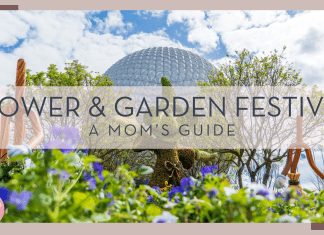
(166,182)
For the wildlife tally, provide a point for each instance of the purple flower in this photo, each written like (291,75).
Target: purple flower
(57,131)
(52,171)
(86,175)
(166,217)
(20,200)
(85,151)
(270,209)
(215,167)
(175,190)
(206,170)
(212,193)
(92,183)
(53,144)
(263,192)
(72,134)
(299,193)
(109,195)
(4,194)
(66,148)
(278,195)
(97,167)
(186,183)
(176,199)
(101,178)
(64,175)
(150,199)
(161,220)
(157,188)
(111,203)
(260,189)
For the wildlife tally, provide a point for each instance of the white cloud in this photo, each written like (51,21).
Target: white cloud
(153,13)
(11,28)
(114,20)
(302,35)
(221,61)
(56,37)
(260,31)
(225,21)
(204,28)
(198,28)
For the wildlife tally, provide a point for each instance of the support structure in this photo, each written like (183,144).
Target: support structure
(19,127)
(292,162)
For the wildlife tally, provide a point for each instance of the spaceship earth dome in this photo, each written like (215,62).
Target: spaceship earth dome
(146,68)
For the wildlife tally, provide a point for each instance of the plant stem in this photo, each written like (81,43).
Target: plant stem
(62,195)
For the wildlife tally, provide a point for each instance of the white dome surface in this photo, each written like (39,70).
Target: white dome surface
(146,68)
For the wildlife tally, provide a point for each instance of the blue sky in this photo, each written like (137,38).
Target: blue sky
(100,38)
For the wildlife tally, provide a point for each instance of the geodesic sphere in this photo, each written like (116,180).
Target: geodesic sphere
(146,68)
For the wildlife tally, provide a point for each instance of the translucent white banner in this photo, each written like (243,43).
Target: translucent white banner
(161,117)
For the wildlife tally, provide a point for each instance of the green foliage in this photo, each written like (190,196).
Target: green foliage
(113,159)
(145,170)
(74,74)
(114,198)
(165,81)
(73,199)
(7,170)
(246,69)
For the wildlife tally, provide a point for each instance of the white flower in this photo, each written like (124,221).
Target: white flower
(260,189)
(287,219)
(229,191)
(101,195)
(306,221)
(166,217)
(169,205)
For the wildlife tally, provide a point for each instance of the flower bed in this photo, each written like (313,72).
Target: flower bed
(75,188)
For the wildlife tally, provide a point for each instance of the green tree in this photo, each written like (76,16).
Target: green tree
(75,74)
(247,69)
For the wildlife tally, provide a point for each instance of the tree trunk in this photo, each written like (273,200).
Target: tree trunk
(267,174)
(252,175)
(239,174)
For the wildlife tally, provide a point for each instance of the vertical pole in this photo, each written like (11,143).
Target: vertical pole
(19,129)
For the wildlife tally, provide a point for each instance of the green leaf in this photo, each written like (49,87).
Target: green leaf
(145,170)
(79,197)
(18,157)
(100,217)
(73,220)
(73,159)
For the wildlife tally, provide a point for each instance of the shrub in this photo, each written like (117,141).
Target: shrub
(75,188)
